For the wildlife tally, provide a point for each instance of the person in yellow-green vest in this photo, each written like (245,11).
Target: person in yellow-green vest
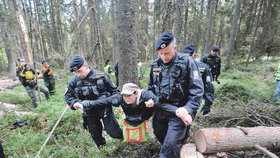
(140,72)
(276,96)
(27,77)
(107,67)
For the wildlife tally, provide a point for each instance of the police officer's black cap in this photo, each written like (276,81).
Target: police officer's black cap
(188,49)
(164,40)
(76,63)
(215,48)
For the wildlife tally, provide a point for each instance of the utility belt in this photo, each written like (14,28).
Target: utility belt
(175,103)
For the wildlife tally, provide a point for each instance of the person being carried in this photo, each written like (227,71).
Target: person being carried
(138,105)
(48,77)
(207,79)
(91,85)
(27,77)
(214,61)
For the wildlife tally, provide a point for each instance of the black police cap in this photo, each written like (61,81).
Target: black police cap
(76,63)
(164,40)
(188,49)
(215,48)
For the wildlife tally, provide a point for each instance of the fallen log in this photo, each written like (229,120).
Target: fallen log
(213,140)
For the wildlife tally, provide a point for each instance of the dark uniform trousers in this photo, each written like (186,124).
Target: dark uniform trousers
(111,125)
(176,129)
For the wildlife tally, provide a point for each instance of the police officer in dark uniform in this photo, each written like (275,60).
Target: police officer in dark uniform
(89,85)
(214,62)
(207,79)
(176,80)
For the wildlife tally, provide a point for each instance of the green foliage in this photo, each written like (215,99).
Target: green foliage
(254,81)
(239,88)
(69,139)
(244,97)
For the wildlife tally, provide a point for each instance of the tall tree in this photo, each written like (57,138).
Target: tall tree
(210,10)
(252,45)
(185,28)
(166,24)
(126,41)
(233,32)
(178,20)
(83,30)
(23,32)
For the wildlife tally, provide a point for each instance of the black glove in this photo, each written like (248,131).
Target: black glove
(205,110)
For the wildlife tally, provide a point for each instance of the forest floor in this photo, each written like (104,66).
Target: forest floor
(243,91)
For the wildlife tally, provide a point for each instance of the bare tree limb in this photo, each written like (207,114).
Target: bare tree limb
(267,152)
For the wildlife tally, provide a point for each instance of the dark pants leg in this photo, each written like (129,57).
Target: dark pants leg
(174,138)
(160,126)
(44,90)
(30,91)
(111,126)
(1,152)
(50,84)
(52,88)
(95,129)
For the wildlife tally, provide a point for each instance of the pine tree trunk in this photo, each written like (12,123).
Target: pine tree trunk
(126,41)
(210,10)
(213,140)
(23,33)
(166,25)
(178,21)
(233,32)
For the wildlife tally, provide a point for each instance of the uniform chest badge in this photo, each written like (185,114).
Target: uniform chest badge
(156,71)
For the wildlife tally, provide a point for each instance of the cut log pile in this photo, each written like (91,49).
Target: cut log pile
(215,140)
